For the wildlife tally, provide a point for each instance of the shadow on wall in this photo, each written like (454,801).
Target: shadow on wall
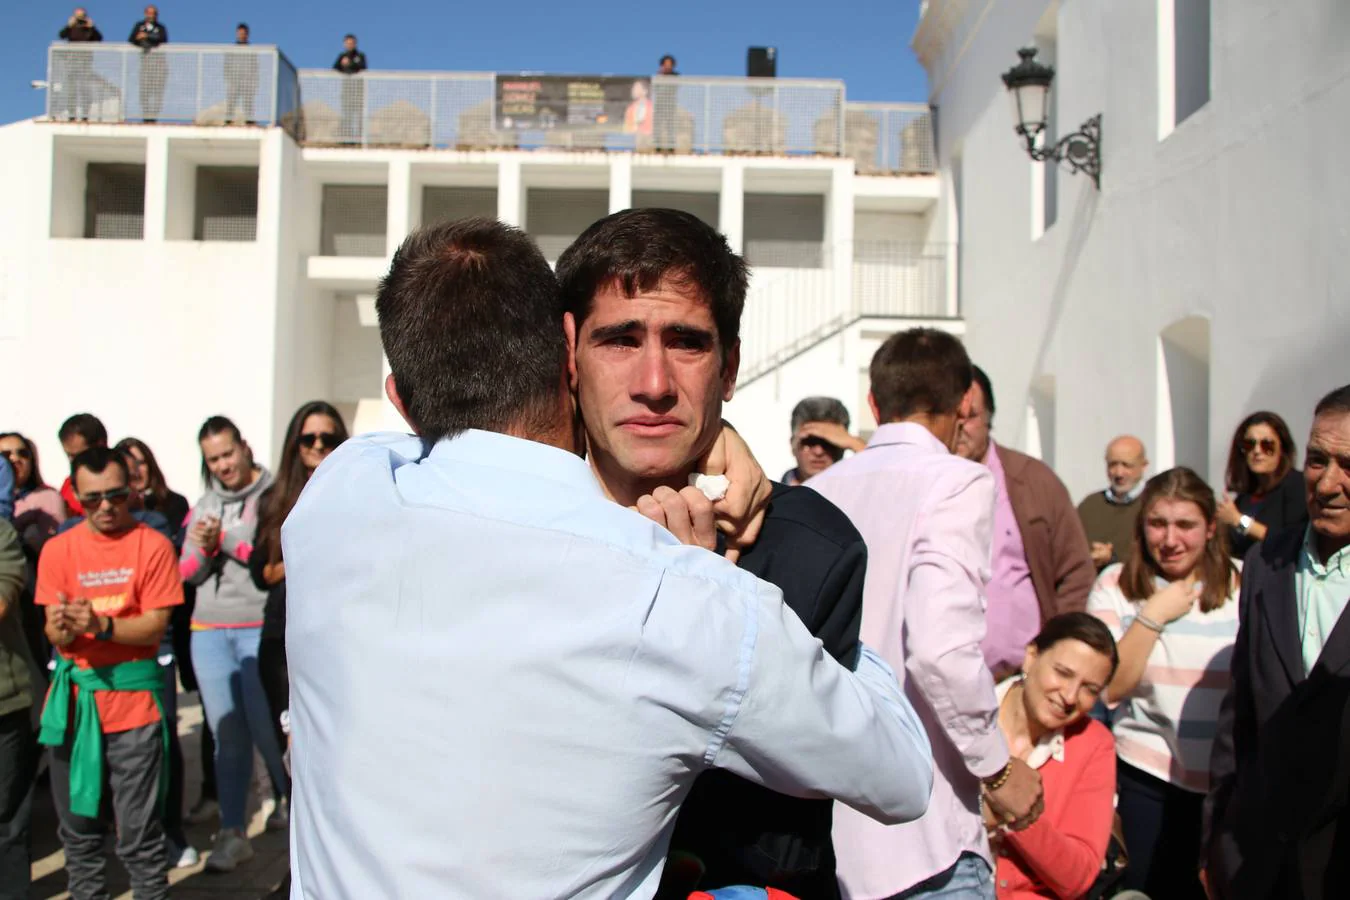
(1293,382)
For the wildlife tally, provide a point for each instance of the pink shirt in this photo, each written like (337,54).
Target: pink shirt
(1014,615)
(926,517)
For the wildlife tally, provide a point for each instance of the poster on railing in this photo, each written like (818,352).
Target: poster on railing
(605,103)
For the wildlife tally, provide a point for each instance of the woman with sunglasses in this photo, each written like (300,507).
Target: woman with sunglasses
(38,508)
(147,480)
(1173,610)
(1268,492)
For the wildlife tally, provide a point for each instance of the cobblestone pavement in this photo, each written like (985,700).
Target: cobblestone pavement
(253,879)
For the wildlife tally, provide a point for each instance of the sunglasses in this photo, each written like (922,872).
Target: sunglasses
(17,453)
(1268,445)
(116,497)
(322,439)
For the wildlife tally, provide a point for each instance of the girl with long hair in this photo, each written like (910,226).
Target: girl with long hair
(1267,491)
(39,509)
(1173,609)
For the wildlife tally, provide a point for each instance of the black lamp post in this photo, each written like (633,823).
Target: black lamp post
(1028,85)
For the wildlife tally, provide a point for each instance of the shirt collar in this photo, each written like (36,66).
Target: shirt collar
(1338,564)
(1051,744)
(1132,496)
(906,433)
(516,454)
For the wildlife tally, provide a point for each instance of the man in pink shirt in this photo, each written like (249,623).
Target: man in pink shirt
(926,516)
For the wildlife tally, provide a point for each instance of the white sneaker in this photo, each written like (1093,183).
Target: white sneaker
(279,819)
(205,810)
(182,857)
(230,849)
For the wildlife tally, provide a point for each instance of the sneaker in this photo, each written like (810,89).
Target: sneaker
(182,857)
(205,810)
(230,849)
(279,819)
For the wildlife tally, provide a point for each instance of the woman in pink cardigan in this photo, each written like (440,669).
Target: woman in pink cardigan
(1044,717)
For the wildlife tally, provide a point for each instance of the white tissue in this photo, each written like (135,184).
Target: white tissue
(714,487)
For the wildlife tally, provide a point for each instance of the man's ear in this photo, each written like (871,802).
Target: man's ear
(570,332)
(872,405)
(391,391)
(730,368)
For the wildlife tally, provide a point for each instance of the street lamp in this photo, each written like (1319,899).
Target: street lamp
(1028,85)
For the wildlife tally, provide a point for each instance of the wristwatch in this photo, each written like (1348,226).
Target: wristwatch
(107,633)
(1245,524)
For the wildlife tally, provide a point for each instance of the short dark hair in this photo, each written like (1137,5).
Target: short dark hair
(667,57)
(985,386)
(96,460)
(819,409)
(639,248)
(472,326)
(87,426)
(1336,403)
(921,370)
(349,37)
(243,25)
(1079,626)
(214,426)
(1238,476)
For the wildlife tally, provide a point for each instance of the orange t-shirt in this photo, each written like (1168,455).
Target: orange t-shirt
(123,577)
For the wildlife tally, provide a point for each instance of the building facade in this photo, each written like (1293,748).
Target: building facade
(1206,278)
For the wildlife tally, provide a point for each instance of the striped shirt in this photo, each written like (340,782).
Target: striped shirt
(1166,726)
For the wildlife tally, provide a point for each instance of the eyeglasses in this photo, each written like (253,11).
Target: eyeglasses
(1268,446)
(117,496)
(17,453)
(324,439)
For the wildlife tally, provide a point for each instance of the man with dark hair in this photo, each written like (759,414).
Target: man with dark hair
(150,34)
(108,586)
(241,78)
(819,437)
(926,514)
(649,293)
(593,664)
(81,432)
(665,99)
(1042,562)
(351,62)
(1278,813)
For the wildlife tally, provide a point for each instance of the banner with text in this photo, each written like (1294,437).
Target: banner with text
(606,103)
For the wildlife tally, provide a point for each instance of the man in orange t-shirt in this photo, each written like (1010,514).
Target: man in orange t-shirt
(108,586)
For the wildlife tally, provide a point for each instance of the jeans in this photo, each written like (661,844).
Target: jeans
(970,879)
(18,766)
(1161,823)
(226,662)
(132,760)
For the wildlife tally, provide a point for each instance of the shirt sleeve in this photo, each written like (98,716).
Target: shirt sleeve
(194,564)
(808,727)
(160,585)
(1107,603)
(944,605)
(52,574)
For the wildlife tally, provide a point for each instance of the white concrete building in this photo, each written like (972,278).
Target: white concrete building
(158,273)
(1206,279)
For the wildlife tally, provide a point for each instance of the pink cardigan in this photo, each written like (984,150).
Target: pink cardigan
(1061,855)
(37,514)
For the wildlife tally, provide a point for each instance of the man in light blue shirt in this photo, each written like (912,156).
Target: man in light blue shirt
(503,683)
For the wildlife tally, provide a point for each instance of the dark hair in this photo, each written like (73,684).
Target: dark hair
(667,57)
(472,326)
(87,426)
(220,425)
(819,409)
(1240,479)
(158,486)
(349,37)
(920,370)
(96,460)
(983,381)
(1336,403)
(637,249)
(1216,568)
(1079,626)
(279,499)
(34,474)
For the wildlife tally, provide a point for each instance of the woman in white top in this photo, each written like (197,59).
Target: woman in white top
(1172,607)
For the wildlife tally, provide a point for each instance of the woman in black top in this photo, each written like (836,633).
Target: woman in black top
(1269,493)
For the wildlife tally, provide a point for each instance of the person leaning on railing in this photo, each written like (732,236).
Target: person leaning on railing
(241,78)
(148,34)
(351,62)
(79,66)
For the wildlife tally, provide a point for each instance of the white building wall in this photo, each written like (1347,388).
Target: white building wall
(1234,217)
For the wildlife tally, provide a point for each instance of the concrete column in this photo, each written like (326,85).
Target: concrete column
(731,205)
(620,182)
(400,210)
(839,236)
(156,186)
(510,193)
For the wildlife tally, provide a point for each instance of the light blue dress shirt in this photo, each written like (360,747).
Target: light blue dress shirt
(1323,590)
(504,684)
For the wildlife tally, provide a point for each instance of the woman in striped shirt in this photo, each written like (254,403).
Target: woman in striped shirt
(1172,608)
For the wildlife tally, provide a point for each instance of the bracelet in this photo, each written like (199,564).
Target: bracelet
(1001,778)
(1149,623)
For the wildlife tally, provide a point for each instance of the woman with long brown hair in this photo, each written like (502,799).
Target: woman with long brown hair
(1267,491)
(38,507)
(1173,610)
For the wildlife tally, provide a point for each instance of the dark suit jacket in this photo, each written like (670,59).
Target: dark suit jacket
(1276,817)
(741,832)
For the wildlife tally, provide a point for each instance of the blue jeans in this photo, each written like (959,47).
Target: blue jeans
(970,879)
(226,662)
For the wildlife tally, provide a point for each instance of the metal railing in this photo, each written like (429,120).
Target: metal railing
(199,84)
(787,312)
(890,138)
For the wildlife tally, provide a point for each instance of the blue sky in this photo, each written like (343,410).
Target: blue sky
(864,42)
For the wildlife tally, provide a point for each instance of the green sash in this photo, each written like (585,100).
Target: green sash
(86,751)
